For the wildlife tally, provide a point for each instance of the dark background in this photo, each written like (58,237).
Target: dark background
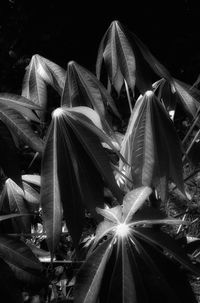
(70,30)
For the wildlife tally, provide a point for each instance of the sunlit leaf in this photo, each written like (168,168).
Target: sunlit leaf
(151,146)
(113,214)
(134,200)
(33,179)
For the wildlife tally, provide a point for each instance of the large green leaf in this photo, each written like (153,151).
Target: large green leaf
(20,127)
(9,159)
(89,277)
(118,56)
(21,259)
(138,263)
(151,146)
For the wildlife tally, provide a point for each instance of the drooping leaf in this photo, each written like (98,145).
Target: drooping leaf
(189,97)
(20,127)
(34,86)
(9,160)
(21,259)
(89,277)
(82,88)
(50,192)
(76,163)
(23,105)
(93,148)
(151,146)
(127,58)
(81,113)
(50,72)
(119,58)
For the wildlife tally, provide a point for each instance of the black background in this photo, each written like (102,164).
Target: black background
(70,30)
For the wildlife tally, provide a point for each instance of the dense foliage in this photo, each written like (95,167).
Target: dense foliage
(93,176)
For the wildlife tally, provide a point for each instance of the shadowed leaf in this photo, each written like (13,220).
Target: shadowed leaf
(21,128)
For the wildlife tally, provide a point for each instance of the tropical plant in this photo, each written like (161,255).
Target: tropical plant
(87,162)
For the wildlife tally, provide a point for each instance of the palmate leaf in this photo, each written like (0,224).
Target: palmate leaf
(82,88)
(24,105)
(72,157)
(21,259)
(118,56)
(20,127)
(9,160)
(137,265)
(151,146)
